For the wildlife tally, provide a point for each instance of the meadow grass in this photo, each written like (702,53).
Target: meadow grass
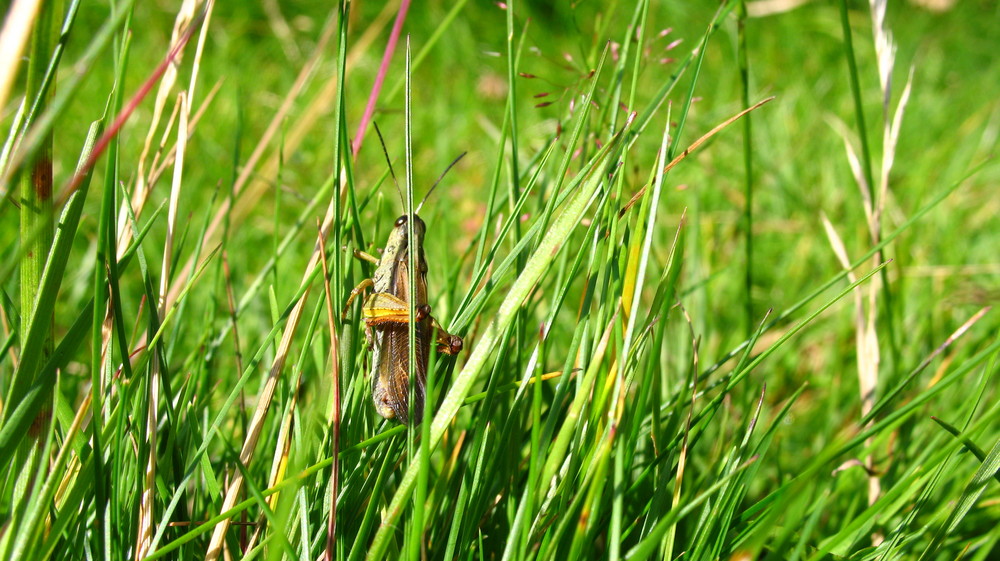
(723,276)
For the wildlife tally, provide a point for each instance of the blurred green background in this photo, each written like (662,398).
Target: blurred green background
(255,51)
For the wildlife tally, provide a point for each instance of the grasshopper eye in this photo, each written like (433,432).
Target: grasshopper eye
(401,220)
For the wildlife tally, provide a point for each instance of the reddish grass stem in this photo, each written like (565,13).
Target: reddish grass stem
(383,69)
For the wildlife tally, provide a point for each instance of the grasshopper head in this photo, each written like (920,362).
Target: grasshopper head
(418,223)
(400,233)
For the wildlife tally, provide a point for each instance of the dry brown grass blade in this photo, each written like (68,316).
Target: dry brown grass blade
(267,394)
(331,528)
(868,354)
(694,146)
(190,16)
(163,161)
(279,467)
(764,8)
(252,182)
(102,143)
(954,337)
(682,457)
(282,30)
(866,338)
(320,105)
(184,23)
(17,28)
(160,162)
(279,463)
(147,518)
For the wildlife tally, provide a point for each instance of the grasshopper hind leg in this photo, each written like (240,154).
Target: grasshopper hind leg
(358,290)
(446,342)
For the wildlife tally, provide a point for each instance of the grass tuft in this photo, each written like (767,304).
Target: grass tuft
(178,381)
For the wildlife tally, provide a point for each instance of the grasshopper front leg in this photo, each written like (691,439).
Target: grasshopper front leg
(363,285)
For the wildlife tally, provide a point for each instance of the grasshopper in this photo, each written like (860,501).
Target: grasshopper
(386,314)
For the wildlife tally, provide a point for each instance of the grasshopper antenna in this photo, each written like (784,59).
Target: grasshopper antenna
(445,172)
(388,161)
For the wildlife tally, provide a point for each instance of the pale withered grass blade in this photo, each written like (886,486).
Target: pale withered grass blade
(146,508)
(38,127)
(261,179)
(188,15)
(14,35)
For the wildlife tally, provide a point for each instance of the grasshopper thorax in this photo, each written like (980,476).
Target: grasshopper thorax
(390,275)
